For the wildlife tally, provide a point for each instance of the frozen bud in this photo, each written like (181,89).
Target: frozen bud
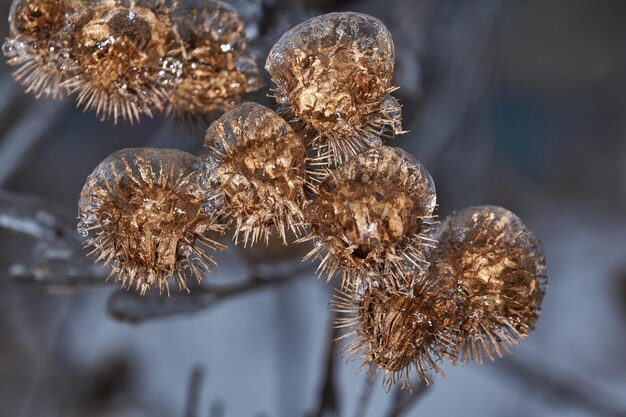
(499,269)
(143,210)
(333,78)
(38,45)
(118,48)
(256,165)
(210,47)
(399,328)
(372,215)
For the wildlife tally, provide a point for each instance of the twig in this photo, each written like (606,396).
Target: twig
(34,217)
(403,400)
(194,387)
(328,404)
(58,258)
(130,307)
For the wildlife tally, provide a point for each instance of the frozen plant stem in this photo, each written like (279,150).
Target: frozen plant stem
(133,308)
(196,380)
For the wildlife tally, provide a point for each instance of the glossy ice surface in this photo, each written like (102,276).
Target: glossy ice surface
(500,271)
(257,164)
(142,210)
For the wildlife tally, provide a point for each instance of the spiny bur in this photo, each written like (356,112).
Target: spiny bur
(126,59)
(209,66)
(373,214)
(499,269)
(256,165)
(143,212)
(333,82)
(38,46)
(118,49)
(397,329)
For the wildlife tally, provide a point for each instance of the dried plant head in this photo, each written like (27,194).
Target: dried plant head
(333,81)
(208,66)
(118,49)
(256,164)
(499,267)
(395,329)
(144,213)
(373,214)
(38,45)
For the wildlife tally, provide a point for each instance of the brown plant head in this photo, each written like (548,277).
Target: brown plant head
(499,268)
(208,66)
(38,45)
(372,214)
(144,213)
(256,165)
(398,328)
(333,81)
(118,49)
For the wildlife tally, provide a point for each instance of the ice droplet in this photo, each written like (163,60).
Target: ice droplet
(12,48)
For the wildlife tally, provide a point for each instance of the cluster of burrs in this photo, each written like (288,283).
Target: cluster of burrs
(128,58)
(412,292)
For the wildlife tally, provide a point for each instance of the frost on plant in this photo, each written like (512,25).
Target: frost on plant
(333,82)
(499,268)
(412,292)
(257,165)
(128,59)
(372,216)
(397,329)
(37,46)
(144,214)
(208,66)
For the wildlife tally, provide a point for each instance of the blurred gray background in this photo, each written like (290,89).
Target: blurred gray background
(518,104)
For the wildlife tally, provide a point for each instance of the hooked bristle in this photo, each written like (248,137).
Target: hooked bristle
(145,216)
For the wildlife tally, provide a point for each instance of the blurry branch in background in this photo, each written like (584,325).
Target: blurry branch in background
(57,258)
(328,399)
(133,308)
(32,126)
(194,387)
(556,387)
(403,401)
(463,55)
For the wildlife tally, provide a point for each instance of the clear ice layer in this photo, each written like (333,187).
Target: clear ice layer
(127,59)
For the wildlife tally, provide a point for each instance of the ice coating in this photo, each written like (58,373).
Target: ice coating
(333,73)
(499,267)
(212,64)
(257,165)
(373,211)
(126,59)
(38,44)
(399,328)
(118,50)
(143,211)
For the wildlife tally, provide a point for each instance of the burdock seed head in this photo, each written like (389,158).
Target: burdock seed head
(499,269)
(396,329)
(118,49)
(208,66)
(372,215)
(144,214)
(333,79)
(256,164)
(38,44)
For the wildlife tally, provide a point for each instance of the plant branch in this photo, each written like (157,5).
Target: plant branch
(133,308)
